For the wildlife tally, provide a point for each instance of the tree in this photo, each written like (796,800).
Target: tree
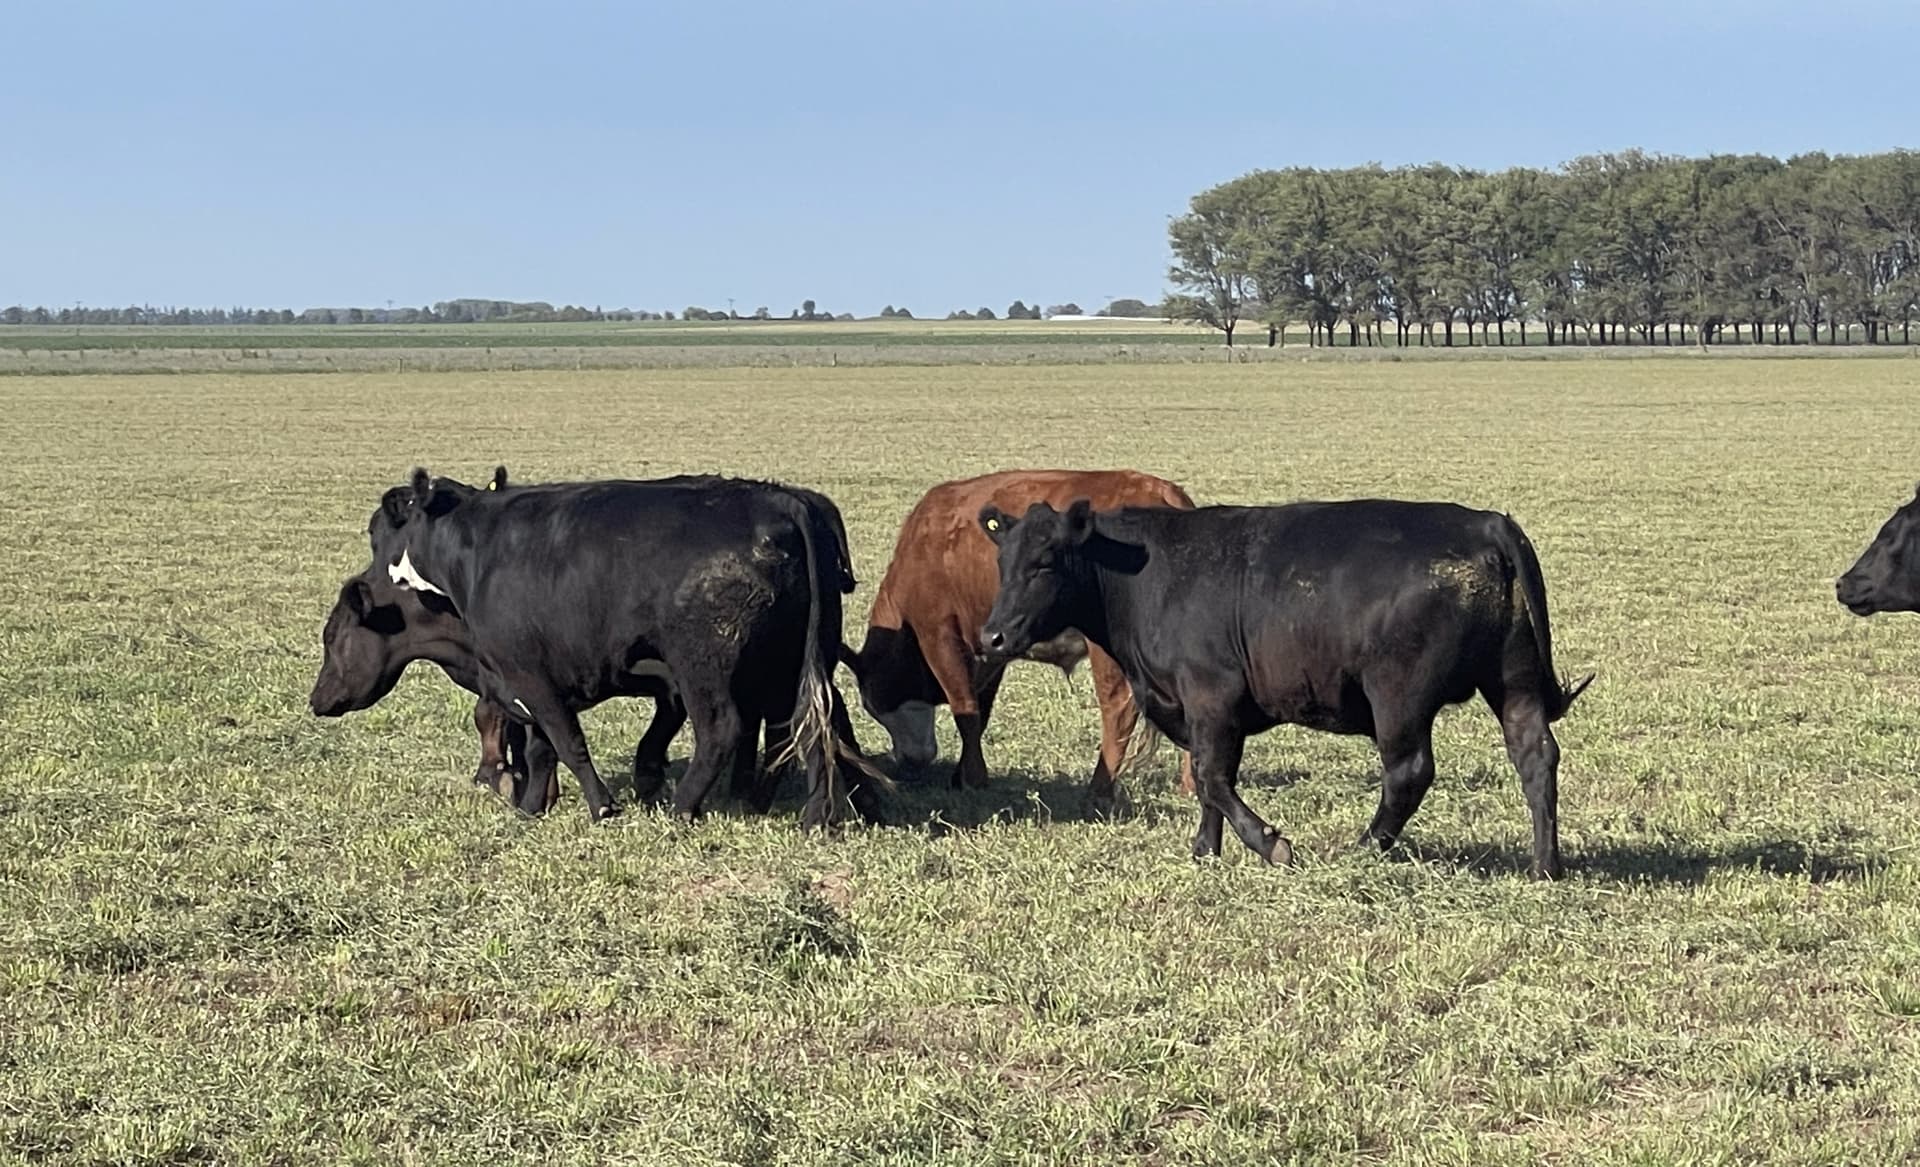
(983,314)
(1067,309)
(1213,259)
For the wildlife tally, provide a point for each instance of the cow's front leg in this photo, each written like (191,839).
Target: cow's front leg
(970,697)
(1217,748)
(536,789)
(562,728)
(497,770)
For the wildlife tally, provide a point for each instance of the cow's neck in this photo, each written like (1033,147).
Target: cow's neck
(451,653)
(1109,578)
(437,556)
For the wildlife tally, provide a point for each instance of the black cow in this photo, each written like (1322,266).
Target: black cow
(1352,617)
(366,651)
(1886,577)
(573,592)
(377,628)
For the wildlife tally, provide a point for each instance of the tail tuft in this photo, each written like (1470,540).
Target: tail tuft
(1569,691)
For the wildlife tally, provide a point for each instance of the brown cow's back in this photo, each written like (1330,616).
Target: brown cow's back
(923,633)
(945,568)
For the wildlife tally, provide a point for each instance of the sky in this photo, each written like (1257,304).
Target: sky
(651,155)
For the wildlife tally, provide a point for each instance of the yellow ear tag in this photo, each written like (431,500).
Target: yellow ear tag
(492,485)
(993,524)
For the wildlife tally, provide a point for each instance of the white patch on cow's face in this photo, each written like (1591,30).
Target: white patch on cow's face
(911,728)
(404,574)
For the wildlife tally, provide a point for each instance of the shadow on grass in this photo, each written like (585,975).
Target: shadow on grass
(1658,861)
(929,798)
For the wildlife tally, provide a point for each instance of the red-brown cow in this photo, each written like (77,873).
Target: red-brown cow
(922,647)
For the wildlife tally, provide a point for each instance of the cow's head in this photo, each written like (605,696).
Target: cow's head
(406,512)
(387,525)
(370,637)
(1043,575)
(1887,576)
(899,691)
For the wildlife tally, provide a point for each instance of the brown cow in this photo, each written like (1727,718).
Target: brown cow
(922,646)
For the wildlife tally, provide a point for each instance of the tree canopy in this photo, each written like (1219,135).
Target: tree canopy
(1625,248)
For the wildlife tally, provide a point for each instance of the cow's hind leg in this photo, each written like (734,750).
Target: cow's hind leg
(1216,762)
(650,755)
(718,729)
(1406,754)
(752,784)
(1536,755)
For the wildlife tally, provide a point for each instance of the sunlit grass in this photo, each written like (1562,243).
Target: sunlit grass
(231,932)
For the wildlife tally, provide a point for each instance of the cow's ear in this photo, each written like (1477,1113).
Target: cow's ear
(994,522)
(499,478)
(422,483)
(394,505)
(1077,522)
(357,595)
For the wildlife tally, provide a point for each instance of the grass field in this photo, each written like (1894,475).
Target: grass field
(230,932)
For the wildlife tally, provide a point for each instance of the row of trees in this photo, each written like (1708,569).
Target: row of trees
(1625,248)
(472,311)
(444,312)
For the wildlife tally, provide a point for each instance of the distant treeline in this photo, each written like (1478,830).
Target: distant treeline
(444,312)
(1625,248)
(498,312)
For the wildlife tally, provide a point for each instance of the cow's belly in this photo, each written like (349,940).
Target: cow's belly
(1325,696)
(649,677)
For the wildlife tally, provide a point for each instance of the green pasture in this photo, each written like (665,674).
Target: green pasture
(233,933)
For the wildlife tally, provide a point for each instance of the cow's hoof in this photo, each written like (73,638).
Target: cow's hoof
(1547,872)
(1110,807)
(1279,851)
(602,814)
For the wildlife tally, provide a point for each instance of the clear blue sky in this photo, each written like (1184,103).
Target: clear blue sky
(936,156)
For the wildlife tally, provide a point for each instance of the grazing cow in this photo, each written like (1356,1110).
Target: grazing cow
(1359,617)
(377,628)
(573,592)
(922,646)
(503,741)
(1886,578)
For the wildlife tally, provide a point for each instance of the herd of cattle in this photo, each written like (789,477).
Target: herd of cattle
(721,599)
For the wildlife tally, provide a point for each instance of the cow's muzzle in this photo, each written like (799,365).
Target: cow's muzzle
(1854,596)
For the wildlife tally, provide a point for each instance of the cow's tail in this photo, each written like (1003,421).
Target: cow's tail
(1140,745)
(1514,544)
(811,734)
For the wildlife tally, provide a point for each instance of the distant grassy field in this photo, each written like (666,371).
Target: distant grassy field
(604,334)
(230,932)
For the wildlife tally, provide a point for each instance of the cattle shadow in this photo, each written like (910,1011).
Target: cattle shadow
(1662,862)
(930,801)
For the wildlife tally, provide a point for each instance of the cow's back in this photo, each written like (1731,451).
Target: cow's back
(574,572)
(945,569)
